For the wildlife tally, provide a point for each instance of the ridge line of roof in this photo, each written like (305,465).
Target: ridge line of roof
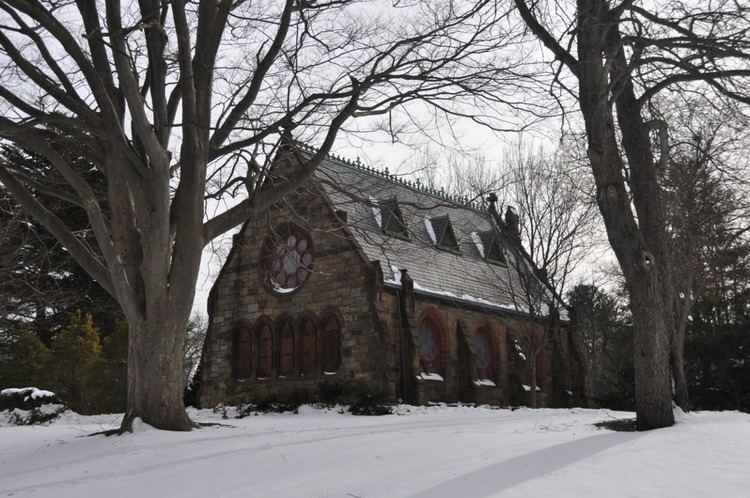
(416,186)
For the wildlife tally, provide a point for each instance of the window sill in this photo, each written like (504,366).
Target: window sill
(430,376)
(484,383)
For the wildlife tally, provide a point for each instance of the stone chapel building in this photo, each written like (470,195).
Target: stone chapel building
(364,275)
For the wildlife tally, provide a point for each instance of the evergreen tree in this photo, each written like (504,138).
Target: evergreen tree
(40,284)
(24,360)
(76,350)
(604,336)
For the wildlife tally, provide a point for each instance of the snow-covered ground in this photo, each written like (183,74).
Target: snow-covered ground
(436,452)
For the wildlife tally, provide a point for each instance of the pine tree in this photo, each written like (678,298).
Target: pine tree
(75,350)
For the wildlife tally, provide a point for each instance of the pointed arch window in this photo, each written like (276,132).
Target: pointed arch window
(286,349)
(331,345)
(430,346)
(540,362)
(242,352)
(309,360)
(265,352)
(485,354)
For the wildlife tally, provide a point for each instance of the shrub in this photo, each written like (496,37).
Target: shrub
(24,360)
(36,416)
(29,405)
(363,397)
(277,401)
(25,398)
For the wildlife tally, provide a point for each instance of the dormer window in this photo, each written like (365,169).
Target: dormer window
(491,248)
(442,233)
(391,219)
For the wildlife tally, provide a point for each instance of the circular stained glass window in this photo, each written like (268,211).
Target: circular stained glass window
(288,259)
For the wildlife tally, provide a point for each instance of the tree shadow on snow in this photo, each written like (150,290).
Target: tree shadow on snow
(513,471)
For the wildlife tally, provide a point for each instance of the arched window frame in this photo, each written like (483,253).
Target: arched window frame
(308,346)
(488,369)
(330,340)
(265,364)
(434,364)
(286,350)
(243,350)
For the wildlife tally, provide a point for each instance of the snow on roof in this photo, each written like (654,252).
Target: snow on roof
(463,275)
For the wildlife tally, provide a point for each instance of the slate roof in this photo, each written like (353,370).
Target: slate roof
(463,276)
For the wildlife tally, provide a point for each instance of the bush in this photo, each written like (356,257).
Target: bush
(87,372)
(362,397)
(29,405)
(24,360)
(35,416)
(25,398)
(286,400)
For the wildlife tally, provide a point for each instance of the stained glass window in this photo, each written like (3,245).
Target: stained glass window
(485,355)
(265,352)
(286,363)
(331,345)
(289,258)
(242,352)
(309,347)
(430,346)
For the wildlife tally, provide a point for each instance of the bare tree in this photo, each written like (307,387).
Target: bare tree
(177,104)
(614,58)
(557,233)
(703,184)
(195,336)
(557,215)
(548,234)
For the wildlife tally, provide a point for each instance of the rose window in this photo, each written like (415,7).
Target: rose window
(289,259)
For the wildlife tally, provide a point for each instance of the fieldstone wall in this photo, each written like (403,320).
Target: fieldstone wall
(340,284)
(458,325)
(379,325)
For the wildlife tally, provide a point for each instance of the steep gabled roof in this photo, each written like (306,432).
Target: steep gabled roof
(462,274)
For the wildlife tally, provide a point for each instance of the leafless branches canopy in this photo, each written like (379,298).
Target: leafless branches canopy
(179,102)
(613,58)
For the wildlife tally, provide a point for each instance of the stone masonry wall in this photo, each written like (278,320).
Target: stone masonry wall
(459,323)
(373,347)
(338,284)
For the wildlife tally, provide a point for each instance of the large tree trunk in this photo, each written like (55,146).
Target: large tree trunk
(653,392)
(638,239)
(155,390)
